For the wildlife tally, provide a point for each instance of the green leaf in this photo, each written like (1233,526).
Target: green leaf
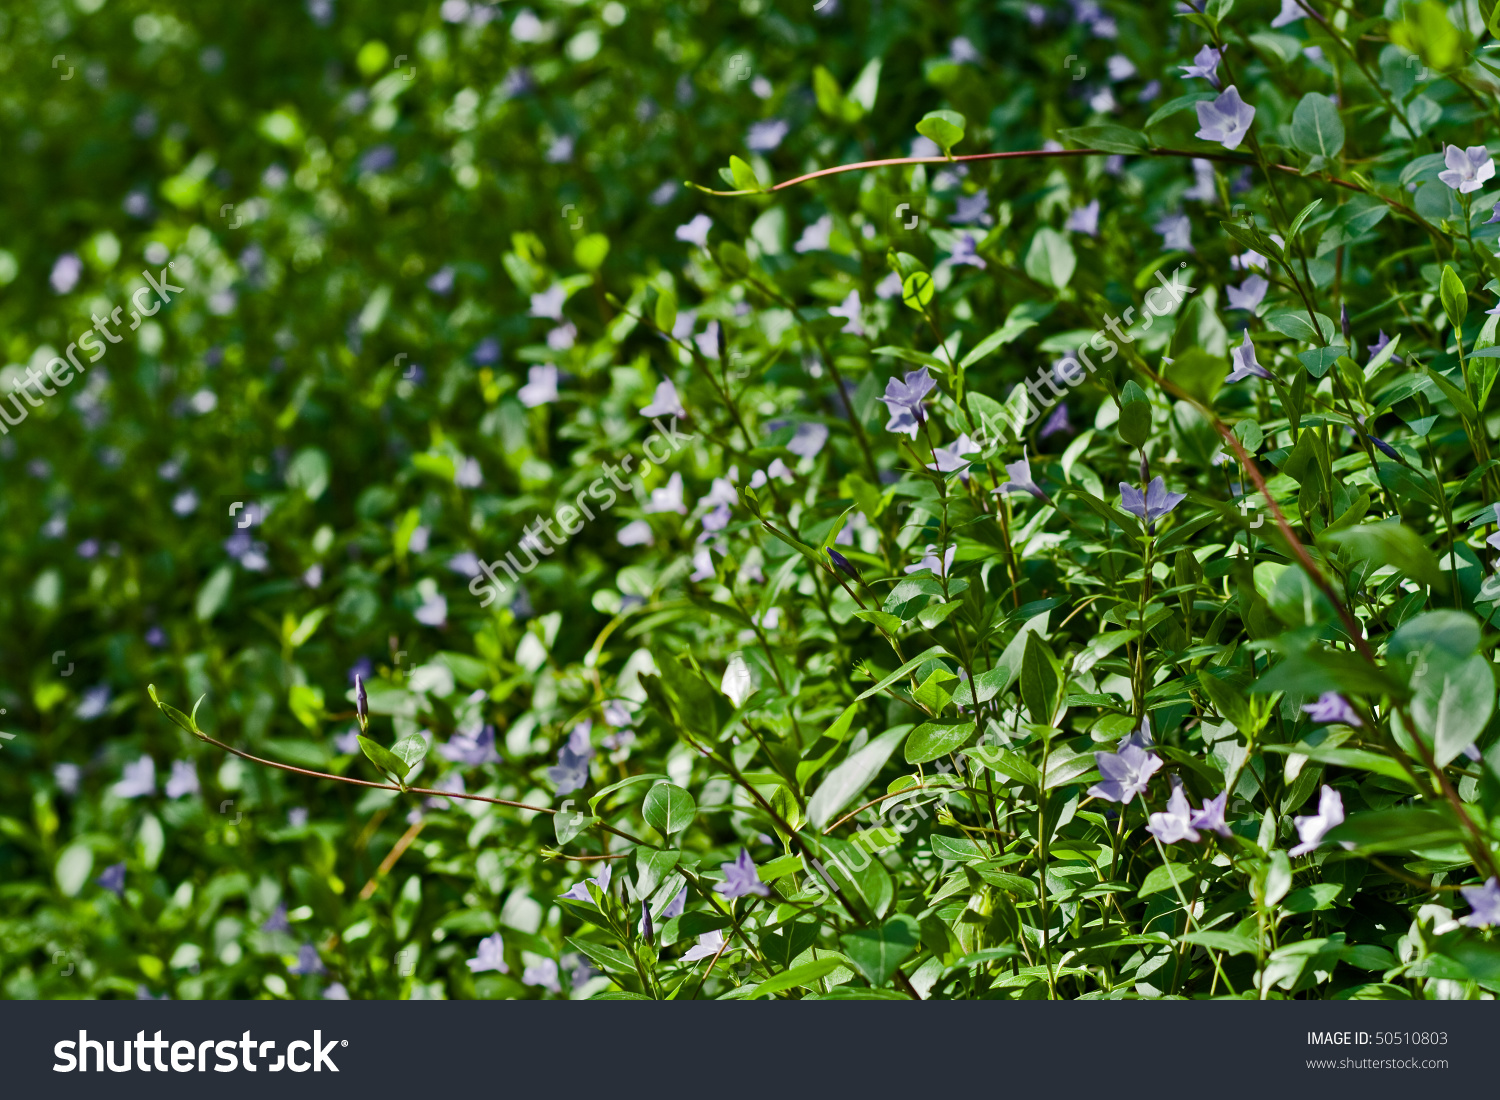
(1024,316)
(1051,259)
(1453,707)
(1459,398)
(1455,300)
(214,593)
(1232,942)
(173,713)
(1107,138)
(1317,129)
(1403,829)
(666,311)
(932,740)
(1135,415)
(878,952)
(1181,103)
(744,176)
(798,976)
(851,777)
(733,260)
(668,808)
(1008,763)
(384,759)
(1388,542)
(917,290)
(1040,679)
(626,782)
(905,670)
(946,128)
(1165,877)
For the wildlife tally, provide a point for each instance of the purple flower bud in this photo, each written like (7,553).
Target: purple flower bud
(361,702)
(843,563)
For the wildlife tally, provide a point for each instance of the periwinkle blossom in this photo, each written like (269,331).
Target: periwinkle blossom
(1485,901)
(849,310)
(361,700)
(1245,366)
(277,921)
(889,287)
(808,440)
(950,458)
(616,714)
(136,780)
(490,956)
(1021,481)
(471,748)
(307,962)
(65,273)
(113,879)
(1248,261)
(1205,64)
(740,878)
(549,302)
(931,564)
(1210,819)
(1226,119)
(766,135)
(540,388)
(965,251)
(695,232)
(1332,707)
(336,991)
(67,777)
(544,974)
(296,817)
(563,337)
(1248,295)
(1203,189)
(1119,67)
(972,210)
(94,703)
(665,402)
(815,237)
(1494,214)
(183,780)
(1312,830)
(1175,822)
(709,944)
(1291,11)
(675,907)
(668,498)
(904,400)
(708,341)
(1468,169)
(580,891)
(433,612)
(572,770)
(1084,219)
(441,281)
(1126,773)
(1151,506)
(1057,422)
(714,522)
(1176,232)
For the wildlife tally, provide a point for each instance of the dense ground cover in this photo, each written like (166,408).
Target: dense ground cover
(1060,574)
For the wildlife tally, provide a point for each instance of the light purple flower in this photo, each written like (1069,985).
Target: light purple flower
(964,252)
(1291,11)
(1084,219)
(1249,294)
(1057,422)
(675,906)
(65,273)
(1485,901)
(904,400)
(849,310)
(707,947)
(580,892)
(307,961)
(1332,707)
(1126,773)
(808,440)
(296,817)
(540,388)
(766,135)
(1021,480)
(950,458)
(336,991)
(1381,340)
(1203,182)
(471,748)
(1468,169)
(1227,119)
(1119,67)
(1174,823)
(563,337)
(931,564)
(433,612)
(184,779)
(95,702)
(695,232)
(1176,232)
(1245,365)
(1211,817)
(815,237)
(277,921)
(889,287)
(67,777)
(1204,65)
(665,402)
(1156,502)
(616,714)
(740,878)
(549,303)
(441,281)
(1312,830)
(491,956)
(348,741)
(113,879)
(668,498)
(572,770)
(137,779)
(972,210)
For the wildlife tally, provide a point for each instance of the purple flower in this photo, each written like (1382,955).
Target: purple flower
(740,878)
(808,439)
(1175,822)
(361,701)
(675,906)
(572,770)
(616,714)
(1312,830)
(931,564)
(580,892)
(1291,11)
(1211,817)
(668,498)
(964,252)
(471,749)
(1057,422)
(1126,773)
(950,458)
(1176,232)
(842,563)
(486,353)
(849,310)
(1494,214)
(1084,219)
(184,779)
(543,974)
(1119,67)
(1156,502)
(815,237)
(972,210)
(1205,64)
(67,777)
(1020,478)
(1468,169)
(65,273)
(1245,365)
(766,135)
(707,947)
(1227,119)
(695,232)
(336,991)
(277,921)
(137,779)
(307,961)
(540,388)
(904,400)
(441,281)
(1248,295)
(113,879)
(1485,901)
(348,741)
(1385,448)
(94,702)
(1332,707)
(491,956)
(1203,182)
